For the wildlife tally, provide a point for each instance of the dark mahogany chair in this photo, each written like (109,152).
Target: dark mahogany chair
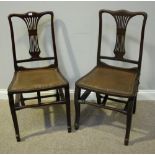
(108,81)
(29,80)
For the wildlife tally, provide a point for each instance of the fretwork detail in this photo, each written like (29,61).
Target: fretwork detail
(121,22)
(32,23)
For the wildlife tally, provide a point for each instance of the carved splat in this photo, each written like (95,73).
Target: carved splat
(121,22)
(32,22)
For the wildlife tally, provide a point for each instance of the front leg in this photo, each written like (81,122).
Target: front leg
(67,98)
(77,107)
(14,116)
(129,120)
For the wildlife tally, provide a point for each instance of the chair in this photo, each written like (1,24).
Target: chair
(109,81)
(36,79)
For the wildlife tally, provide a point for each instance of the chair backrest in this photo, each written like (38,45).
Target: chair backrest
(31,20)
(122,18)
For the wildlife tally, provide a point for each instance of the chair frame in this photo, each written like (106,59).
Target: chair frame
(122,18)
(16,99)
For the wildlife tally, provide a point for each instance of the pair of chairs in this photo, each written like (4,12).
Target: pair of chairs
(105,80)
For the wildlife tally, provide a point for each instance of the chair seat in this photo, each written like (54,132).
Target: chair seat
(38,79)
(114,81)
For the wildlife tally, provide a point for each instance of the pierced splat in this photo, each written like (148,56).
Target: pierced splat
(32,22)
(121,22)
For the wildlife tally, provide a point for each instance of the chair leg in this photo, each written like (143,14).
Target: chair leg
(135,103)
(67,96)
(129,120)
(14,116)
(79,94)
(22,100)
(98,98)
(17,100)
(77,107)
(39,97)
(105,100)
(57,95)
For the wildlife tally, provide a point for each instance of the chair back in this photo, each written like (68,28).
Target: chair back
(31,20)
(122,18)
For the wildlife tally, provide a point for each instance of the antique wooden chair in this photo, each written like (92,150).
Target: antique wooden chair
(29,80)
(108,81)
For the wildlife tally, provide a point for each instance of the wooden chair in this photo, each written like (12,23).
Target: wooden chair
(109,81)
(28,80)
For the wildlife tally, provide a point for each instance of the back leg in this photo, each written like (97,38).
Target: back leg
(98,97)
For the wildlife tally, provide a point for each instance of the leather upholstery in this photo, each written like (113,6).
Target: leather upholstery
(39,79)
(113,81)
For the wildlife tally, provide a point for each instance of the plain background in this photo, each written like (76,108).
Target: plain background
(76,31)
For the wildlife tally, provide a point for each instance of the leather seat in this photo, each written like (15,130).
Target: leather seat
(31,80)
(110,80)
